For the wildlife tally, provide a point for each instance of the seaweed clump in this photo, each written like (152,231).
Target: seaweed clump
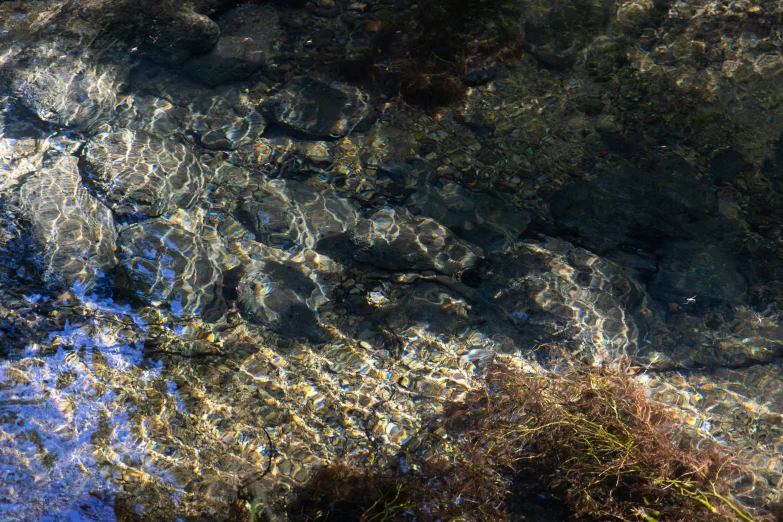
(588,438)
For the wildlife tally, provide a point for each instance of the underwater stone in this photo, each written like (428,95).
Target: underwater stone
(394,239)
(480,75)
(699,269)
(164,32)
(245,46)
(279,297)
(289,214)
(619,207)
(559,31)
(74,231)
(22,146)
(66,88)
(480,218)
(727,165)
(164,263)
(550,281)
(185,34)
(226,121)
(311,108)
(140,173)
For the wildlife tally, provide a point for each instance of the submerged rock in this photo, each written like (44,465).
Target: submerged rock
(394,239)
(289,214)
(226,121)
(74,231)
(641,209)
(165,32)
(480,218)
(164,263)
(311,108)
(559,31)
(140,173)
(67,88)
(697,269)
(550,281)
(22,147)
(245,46)
(280,297)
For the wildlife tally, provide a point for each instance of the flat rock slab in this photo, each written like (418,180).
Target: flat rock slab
(311,108)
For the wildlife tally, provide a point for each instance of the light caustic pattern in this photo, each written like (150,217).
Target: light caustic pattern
(84,418)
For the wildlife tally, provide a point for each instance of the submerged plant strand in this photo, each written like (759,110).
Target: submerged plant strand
(588,437)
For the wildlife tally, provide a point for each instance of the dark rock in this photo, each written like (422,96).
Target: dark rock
(560,31)
(163,263)
(166,32)
(326,12)
(228,62)
(360,46)
(279,297)
(480,75)
(321,38)
(480,218)
(311,108)
(245,46)
(697,269)
(592,106)
(211,6)
(604,55)
(727,165)
(295,19)
(774,168)
(187,33)
(620,145)
(481,128)
(640,209)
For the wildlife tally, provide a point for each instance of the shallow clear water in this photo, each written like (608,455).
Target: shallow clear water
(240,242)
